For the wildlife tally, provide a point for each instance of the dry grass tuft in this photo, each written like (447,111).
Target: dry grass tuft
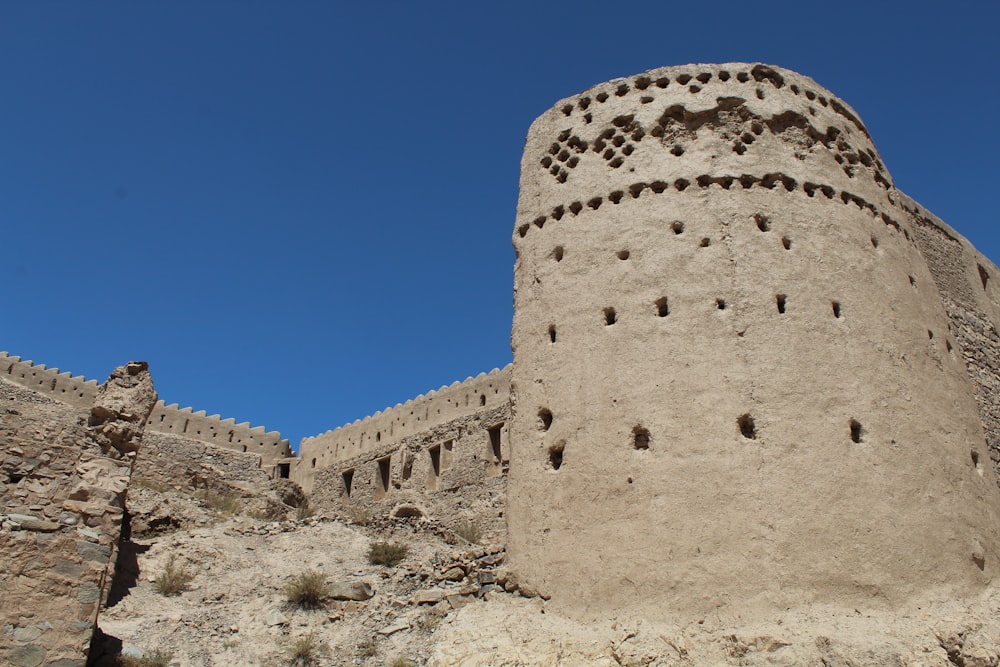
(173,580)
(387,553)
(307,590)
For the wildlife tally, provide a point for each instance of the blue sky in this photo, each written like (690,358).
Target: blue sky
(300,212)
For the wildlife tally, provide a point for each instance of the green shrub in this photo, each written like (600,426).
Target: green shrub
(386,553)
(307,590)
(173,579)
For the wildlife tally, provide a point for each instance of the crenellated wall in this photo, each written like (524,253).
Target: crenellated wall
(74,390)
(168,419)
(389,426)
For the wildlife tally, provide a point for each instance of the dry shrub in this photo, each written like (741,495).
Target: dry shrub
(304,651)
(173,579)
(307,590)
(387,553)
(223,503)
(469,531)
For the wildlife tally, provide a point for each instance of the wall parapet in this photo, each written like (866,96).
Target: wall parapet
(74,390)
(80,392)
(486,390)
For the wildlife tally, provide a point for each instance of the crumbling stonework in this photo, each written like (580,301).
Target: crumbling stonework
(65,471)
(741,359)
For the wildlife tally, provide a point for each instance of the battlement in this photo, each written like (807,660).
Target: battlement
(486,390)
(74,390)
(213,429)
(78,391)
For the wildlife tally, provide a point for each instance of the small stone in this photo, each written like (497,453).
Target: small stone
(275,617)
(88,592)
(487,577)
(27,656)
(28,634)
(355,590)
(455,573)
(394,628)
(429,596)
(132,651)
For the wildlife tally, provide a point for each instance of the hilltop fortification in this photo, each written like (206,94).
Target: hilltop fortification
(742,358)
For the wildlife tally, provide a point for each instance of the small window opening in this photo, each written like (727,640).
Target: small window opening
(435,453)
(975,461)
(348,477)
(705,242)
(494,432)
(407,466)
(610,317)
(482,399)
(930,335)
(383,470)
(947,344)
(874,241)
(662,307)
(314,463)
(556,455)
(622,254)
(545,416)
(913,281)
(983,275)
(786,242)
(283,470)
(779,300)
(857,432)
(720,304)
(244,448)
(677,226)
(378,436)
(836,309)
(763,223)
(747,427)
(640,438)
(557,253)
(552,333)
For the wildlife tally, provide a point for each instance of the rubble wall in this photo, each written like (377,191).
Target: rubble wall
(63,477)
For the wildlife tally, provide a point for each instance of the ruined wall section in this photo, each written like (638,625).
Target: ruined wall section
(969,286)
(388,427)
(167,419)
(452,471)
(718,292)
(63,476)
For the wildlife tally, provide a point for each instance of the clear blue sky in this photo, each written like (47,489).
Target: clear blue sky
(300,212)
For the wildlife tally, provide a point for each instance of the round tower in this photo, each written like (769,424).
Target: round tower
(734,382)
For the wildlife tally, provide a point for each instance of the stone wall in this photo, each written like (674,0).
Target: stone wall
(966,282)
(450,472)
(735,383)
(390,426)
(167,419)
(63,477)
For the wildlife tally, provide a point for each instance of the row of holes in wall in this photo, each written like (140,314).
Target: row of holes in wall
(759,74)
(746,181)
(377,437)
(383,465)
(641,438)
(617,142)
(41,382)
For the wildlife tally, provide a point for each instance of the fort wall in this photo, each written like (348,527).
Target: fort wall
(966,281)
(166,419)
(729,348)
(389,427)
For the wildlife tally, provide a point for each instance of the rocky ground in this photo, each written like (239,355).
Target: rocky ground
(445,604)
